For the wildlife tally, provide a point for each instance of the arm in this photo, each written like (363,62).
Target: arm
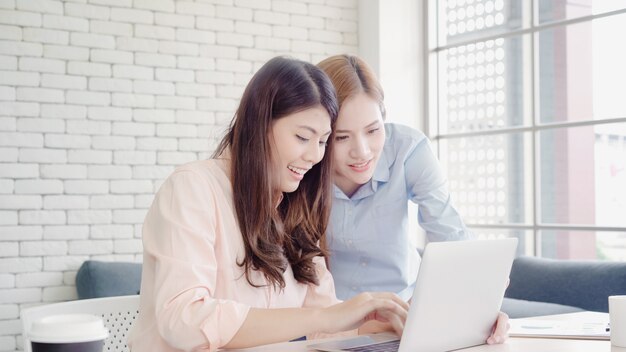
(180,234)
(426,186)
(322,315)
(264,326)
(323,295)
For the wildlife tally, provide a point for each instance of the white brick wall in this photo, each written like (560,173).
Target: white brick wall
(101,99)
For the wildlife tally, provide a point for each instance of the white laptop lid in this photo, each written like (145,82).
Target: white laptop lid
(457,297)
(458,294)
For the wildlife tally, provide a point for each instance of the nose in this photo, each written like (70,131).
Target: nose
(314,153)
(359,148)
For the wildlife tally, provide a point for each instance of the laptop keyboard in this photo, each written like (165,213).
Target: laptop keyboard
(387,346)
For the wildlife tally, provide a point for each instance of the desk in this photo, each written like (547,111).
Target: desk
(513,344)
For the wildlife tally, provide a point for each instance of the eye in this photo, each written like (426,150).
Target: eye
(372,131)
(323,144)
(341,138)
(302,139)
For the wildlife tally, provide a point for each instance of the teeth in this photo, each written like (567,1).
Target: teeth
(361,165)
(297,170)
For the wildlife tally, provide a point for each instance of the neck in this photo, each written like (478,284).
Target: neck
(278,197)
(347,187)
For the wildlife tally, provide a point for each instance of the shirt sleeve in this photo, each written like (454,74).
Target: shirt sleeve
(323,295)
(180,234)
(427,188)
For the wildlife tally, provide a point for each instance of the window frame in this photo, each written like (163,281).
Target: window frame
(431,123)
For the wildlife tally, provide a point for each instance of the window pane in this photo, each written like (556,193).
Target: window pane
(569,244)
(583,175)
(581,68)
(467,19)
(489,177)
(481,86)
(551,10)
(525,246)
(564,73)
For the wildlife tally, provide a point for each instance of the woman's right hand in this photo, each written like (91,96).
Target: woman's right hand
(385,307)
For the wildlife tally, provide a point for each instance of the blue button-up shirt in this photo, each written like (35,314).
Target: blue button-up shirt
(368,235)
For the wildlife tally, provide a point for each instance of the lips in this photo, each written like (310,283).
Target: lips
(360,166)
(297,172)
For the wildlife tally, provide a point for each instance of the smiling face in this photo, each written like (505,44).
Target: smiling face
(298,142)
(359,139)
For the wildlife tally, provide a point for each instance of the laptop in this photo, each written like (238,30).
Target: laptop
(456,300)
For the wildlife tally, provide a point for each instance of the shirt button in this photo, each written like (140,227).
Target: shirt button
(353,288)
(363,264)
(350,242)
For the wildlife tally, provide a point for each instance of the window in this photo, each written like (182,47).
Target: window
(528,114)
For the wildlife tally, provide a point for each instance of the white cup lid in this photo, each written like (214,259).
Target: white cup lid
(68,328)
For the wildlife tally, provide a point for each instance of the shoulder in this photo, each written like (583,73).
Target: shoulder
(398,132)
(201,168)
(402,140)
(199,176)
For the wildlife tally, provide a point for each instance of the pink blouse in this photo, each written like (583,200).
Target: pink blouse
(194,296)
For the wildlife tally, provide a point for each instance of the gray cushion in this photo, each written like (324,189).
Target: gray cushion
(105,279)
(518,308)
(583,284)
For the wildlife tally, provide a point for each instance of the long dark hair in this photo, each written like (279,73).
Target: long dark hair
(275,237)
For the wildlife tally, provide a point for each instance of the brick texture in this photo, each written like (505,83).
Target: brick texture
(101,99)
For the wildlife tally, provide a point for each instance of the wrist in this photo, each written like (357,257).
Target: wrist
(320,321)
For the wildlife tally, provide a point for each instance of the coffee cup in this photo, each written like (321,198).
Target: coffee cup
(68,333)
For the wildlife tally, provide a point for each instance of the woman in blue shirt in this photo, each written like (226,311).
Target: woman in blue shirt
(377,168)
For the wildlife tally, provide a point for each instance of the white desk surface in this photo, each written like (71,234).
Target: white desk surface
(513,344)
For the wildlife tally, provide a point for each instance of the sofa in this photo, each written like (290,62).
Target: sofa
(96,279)
(541,286)
(538,286)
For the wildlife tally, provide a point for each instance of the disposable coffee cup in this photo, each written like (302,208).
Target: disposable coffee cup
(68,333)
(617,317)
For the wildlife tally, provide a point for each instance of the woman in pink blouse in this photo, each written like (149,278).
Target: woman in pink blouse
(231,245)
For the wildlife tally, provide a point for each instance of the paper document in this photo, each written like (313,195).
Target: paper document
(561,329)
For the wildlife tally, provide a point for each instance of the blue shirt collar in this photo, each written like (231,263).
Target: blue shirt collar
(381,174)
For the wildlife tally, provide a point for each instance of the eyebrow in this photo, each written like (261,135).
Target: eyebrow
(313,130)
(348,131)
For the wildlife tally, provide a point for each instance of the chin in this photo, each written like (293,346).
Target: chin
(289,188)
(362,179)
